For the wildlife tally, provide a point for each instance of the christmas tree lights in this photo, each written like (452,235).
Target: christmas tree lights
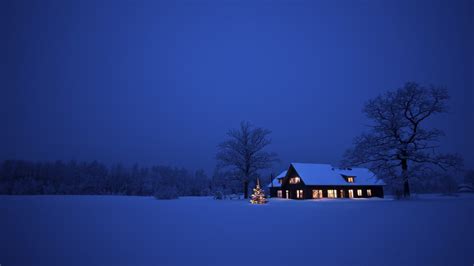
(258,196)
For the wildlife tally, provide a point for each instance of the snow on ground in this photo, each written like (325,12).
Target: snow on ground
(115,230)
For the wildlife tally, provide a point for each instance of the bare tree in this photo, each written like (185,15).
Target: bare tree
(243,151)
(398,146)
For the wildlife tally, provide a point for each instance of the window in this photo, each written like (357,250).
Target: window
(280,194)
(299,194)
(332,193)
(369,193)
(287,194)
(350,179)
(317,193)
(359,192)
(295,180)
(342,193)
(351,193)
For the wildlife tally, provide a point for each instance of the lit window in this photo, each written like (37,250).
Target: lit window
(295,180)
(369,193)
(350,179)
(279,194)
(317,193)
(351,193)
(287,194)
(342,193)
(299,194)
(359,192)
(332,193)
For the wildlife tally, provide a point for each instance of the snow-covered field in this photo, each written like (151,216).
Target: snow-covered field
(114,230)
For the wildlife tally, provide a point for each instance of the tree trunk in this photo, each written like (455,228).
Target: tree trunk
(246,189)
(406,184)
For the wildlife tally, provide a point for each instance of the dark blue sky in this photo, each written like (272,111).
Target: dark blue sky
(162,81)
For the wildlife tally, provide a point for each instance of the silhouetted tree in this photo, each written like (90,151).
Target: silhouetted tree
(243,152)
(399,146)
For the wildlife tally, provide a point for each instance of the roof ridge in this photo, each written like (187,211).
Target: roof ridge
(313,163)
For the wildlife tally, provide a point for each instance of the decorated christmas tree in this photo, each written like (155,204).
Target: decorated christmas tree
(258,196)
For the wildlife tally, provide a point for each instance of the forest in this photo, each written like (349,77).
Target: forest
(95,178)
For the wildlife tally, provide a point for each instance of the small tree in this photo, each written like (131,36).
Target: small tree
(258,196)
(399,146)
(243,151)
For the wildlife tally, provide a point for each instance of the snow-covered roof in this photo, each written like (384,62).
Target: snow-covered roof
(326,174)
(281,175)
(275,180)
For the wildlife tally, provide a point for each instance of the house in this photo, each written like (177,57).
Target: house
(315,181)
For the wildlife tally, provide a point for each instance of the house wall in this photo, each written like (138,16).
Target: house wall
(273,191)
(377,191)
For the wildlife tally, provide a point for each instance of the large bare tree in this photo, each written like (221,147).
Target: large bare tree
(398,145)
(243,151)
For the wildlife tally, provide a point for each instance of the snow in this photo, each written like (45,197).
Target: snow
(120,230)
(466,188)
(325,174)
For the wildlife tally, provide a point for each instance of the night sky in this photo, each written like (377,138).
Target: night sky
(160,82)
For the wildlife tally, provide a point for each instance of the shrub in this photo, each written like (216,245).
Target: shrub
(218,195)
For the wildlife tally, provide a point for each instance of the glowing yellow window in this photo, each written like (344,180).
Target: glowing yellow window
(369,193)
(299,194)
(351,193)
(350,179)
(332,193)
(295,180)
(317,193)
(359,192)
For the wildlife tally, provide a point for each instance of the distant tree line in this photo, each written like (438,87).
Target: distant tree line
(95,178)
